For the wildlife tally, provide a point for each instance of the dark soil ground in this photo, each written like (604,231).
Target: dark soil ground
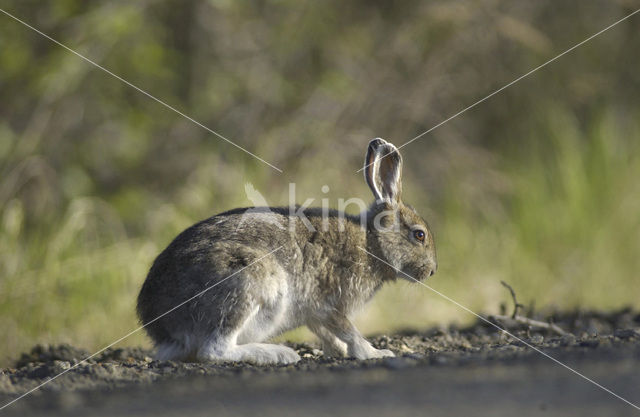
(477,370)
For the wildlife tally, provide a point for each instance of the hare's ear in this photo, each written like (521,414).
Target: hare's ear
(383,171)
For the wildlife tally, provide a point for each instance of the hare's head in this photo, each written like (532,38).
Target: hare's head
(402,237)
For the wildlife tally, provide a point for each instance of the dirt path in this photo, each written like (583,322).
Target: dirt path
(474,371)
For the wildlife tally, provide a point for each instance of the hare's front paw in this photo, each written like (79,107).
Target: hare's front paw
(382,353)
(366,351)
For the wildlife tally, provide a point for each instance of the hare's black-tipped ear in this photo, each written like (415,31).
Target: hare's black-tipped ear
(383,171)
(370,166)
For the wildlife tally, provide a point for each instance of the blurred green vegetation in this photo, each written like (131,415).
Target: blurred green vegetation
(538,186)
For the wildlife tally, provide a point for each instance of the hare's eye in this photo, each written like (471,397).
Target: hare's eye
(419,234)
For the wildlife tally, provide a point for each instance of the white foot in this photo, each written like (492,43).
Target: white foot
(257,353)
(364,350)
(381,353)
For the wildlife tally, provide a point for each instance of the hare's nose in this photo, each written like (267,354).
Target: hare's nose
(433,271)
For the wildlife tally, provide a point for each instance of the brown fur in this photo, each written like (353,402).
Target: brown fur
(318,278)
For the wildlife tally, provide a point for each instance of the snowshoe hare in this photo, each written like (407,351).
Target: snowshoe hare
(318,276)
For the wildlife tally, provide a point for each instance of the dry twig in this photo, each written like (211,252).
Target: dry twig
(516,304)
(516,319)
(508,321)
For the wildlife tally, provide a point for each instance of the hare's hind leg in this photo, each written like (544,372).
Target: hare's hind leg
(223,345)
(257,353)
(244,321)
(167,351)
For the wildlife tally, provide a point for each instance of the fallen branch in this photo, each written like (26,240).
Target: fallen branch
(516,319)
(510,321)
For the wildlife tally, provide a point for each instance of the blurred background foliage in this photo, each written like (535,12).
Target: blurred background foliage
(538,186)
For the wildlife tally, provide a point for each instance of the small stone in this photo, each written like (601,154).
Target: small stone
(537,339)
(405,348)
(626,333)
(60,366)
(568,339)
(590,343)
(464,343)
(39,372)
(110,367)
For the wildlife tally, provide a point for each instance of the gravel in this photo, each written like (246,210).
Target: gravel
(592,338)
